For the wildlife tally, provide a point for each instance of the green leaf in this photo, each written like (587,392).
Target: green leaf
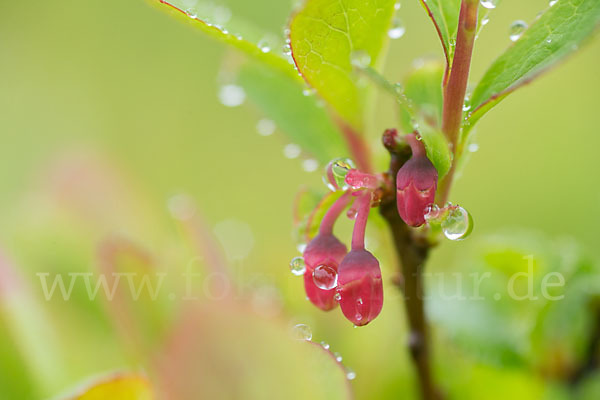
(326,34)
(423,88)
(437,148)
(444,14)
(236,35)
(557,33)
(302,118)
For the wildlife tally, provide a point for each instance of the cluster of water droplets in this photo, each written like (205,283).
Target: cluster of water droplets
(397,29)
(302,332)
(455,221)
(335,173)
(210,13)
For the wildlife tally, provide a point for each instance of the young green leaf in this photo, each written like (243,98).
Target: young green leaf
(557,33)
(328,36)
(423,88)
(444,15)
(437,148)
(235,38)
(299,116)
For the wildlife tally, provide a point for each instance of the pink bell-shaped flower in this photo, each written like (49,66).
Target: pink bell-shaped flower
(360,290)
(416,184)
(322,257)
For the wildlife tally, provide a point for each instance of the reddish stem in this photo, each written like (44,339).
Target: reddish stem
(326,227)
(363,205)
(416,146)
(359,149)
(454,92)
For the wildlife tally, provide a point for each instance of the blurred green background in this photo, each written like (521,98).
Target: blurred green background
(109,108)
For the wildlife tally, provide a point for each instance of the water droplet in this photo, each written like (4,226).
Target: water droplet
(350,374)
(397,29)
(308,92)
(232,95)
(351,213)
(291,151)
(552,2)
(264,46)
(473,147)
(466,107)
(310,165)
(431,212)
(287,50)
(338,357)
(358,317)
(191,13)
(397,5)
(489,4)
(265,127)
(359,301)
(548,40)
(337,297)
(325,345)
(325,277)
(297,266)
(485,20)
(302,332)
(301,247)
(516,30)
(360,58)
(336,171)
(458,224)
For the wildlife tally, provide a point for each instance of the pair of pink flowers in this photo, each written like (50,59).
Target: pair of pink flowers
(359,288)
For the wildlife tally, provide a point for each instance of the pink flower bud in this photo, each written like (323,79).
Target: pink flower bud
(416,184)
(360,288)
(324,250)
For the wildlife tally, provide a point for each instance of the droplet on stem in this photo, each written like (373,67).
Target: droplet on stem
(458,224)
